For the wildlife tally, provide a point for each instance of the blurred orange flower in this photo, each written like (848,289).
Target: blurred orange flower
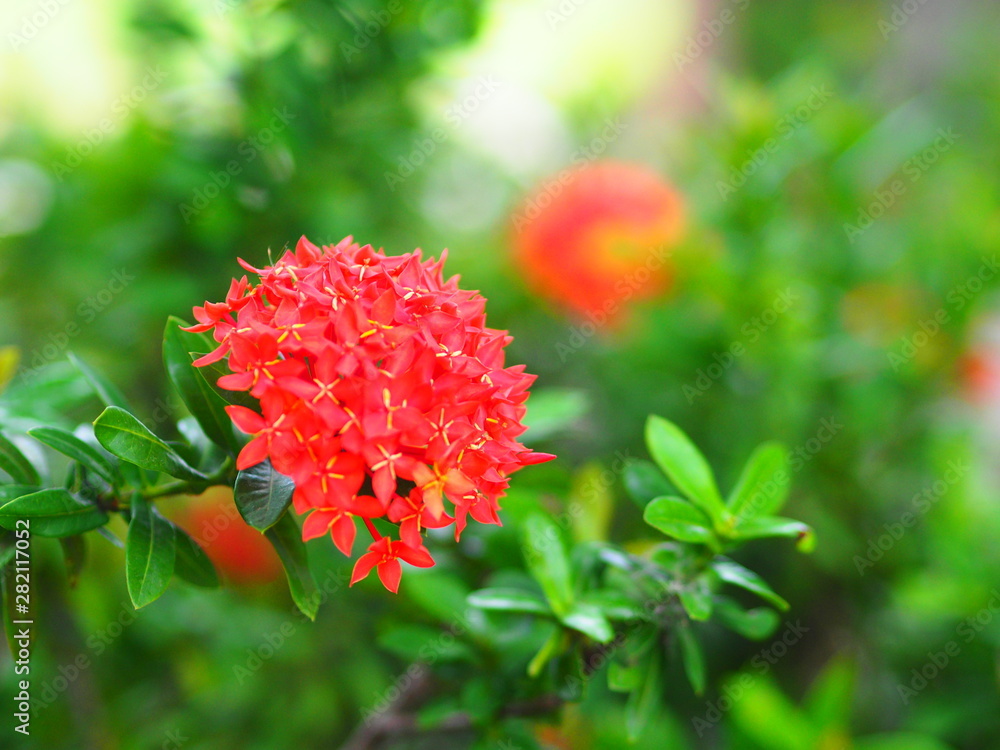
(599,236)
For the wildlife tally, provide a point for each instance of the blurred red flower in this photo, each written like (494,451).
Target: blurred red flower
(383,393)
(599,236)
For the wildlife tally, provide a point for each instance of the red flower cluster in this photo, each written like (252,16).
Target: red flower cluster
(382,394)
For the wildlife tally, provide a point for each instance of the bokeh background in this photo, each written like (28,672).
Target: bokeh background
(790,205)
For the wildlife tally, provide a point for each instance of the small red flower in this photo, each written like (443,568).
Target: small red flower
(383,394)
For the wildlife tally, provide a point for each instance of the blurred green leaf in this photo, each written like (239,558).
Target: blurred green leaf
(591,495)
(104,388)
(74,549)
(735,574)
(192,564)
(14,463)
(696,600)
(613,604)
(424,644)
(286,539)
(757,624)
(644,701)
(693,658)
(124,436)
(644,482)
(548,562)
(509,600)
(551,411)
(150,553)
(550,648)
(587,619)
(52,512)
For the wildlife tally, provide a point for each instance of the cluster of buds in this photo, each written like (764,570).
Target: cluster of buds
(383,395)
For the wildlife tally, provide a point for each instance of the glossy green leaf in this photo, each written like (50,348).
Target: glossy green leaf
(70,445)
(693,659)
(548,562)
(286,538)
(735,574)
(587,619)
(191,563)
(262,495)
(684,464)
(16,464)
(104,388)
(198,395)
(760,528)
(763,486)
(52,512)
(124,436)
(150,553)
(509,600)
(681,520)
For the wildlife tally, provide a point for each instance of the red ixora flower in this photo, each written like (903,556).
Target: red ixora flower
(383,394)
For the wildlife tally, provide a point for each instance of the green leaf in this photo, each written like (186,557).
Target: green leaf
(216,370)
(684,464)
(191,563)
(697,601)
(624,678)
(509,600)
(198,395)
(644,701)
(693,658)
(830,697)
(551,411)
(74,550)
(550,648)
(52,512)
(70,445)
(150,553)
(424,644)
(759,528)
(14,463)
(262,495)
(105,389)
(735,574)
(10,491)
(588,620)
(679,519)
(286,539)
(126,437)
(614,605)
(548,562)
(763,486)
(644,481)
(757,624)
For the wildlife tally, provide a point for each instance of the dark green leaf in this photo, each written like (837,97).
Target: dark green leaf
(198,395)
(684,464)
(74,550)
(191,563)
(737,575)
(763,485)
(104,388)
(70,445)
(509,600)
(52,512)
(14,463)
(262,495)
(10,491)
(150,553)
(126,437)
(548,562)
(681,520)
(286,539)
(644,481)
